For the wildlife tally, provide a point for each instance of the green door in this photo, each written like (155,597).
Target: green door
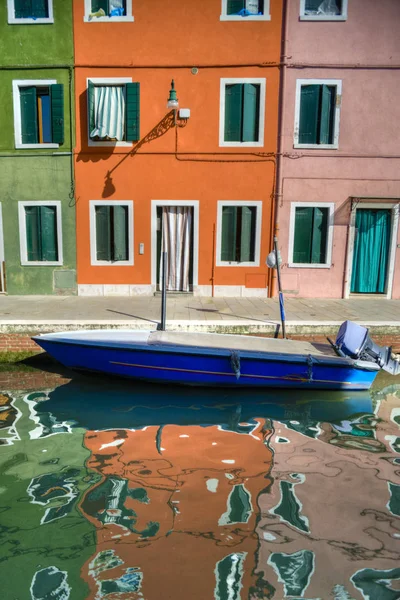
(371,251)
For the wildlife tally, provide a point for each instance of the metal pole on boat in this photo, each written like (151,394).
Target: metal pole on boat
(161,325)
(281,301)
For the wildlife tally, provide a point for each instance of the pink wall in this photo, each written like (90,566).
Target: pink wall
(367,160)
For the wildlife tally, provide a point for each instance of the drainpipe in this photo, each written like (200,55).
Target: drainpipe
(281,113)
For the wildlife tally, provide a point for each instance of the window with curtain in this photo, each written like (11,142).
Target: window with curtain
(310,242)
(41,233)
(31,9)
(238,233)
(42,114)
(242,112)
(112,233)
(317,114)
(114,112)
(245,8)
(323,7)
(108,8)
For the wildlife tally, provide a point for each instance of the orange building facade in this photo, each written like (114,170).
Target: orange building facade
(198,183)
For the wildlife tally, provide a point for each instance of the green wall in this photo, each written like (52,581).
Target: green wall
(37,174)
(50,44)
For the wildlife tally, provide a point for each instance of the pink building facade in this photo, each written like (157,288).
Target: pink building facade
(338,189)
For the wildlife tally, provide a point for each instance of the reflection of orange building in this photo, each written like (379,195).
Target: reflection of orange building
(179,508)
(216,168)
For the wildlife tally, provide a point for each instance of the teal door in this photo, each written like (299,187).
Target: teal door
(371,251)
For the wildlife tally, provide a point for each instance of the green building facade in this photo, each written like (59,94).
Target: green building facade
(37,199)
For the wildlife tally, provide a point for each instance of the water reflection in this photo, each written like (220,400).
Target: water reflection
(147,492)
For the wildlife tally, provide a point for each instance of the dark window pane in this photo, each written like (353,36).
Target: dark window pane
(323,7)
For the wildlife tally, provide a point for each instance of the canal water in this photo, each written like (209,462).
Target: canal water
(119,490)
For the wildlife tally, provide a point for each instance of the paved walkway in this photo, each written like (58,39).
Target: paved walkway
(44,313)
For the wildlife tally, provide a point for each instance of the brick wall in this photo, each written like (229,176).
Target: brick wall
(18,342)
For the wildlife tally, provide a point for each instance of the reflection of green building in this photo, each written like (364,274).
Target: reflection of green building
(37,210)
(44,538)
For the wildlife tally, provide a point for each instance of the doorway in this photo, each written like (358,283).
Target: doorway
(373,234)
(176,232)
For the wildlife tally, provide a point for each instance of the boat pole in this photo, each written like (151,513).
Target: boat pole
(161,325)
(281,301)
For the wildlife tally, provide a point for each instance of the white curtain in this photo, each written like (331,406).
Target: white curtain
(176,237)
(109,117)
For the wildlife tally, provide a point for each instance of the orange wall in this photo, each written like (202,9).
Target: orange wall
(172,167)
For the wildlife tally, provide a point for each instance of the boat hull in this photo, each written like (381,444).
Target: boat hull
(210,367)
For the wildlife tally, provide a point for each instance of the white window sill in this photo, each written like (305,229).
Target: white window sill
(123,19)
(35,146)
(46,21)
(241,144)
(223,263)
(317,146)
(109,144)
(323,18)
(249,18)
(309,266)
(116,263)
(40,263)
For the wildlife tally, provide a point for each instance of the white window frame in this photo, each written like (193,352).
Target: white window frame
(257,241)
(262,82)
(225,17)
(304,17)
(22,233)
(17,84)
(105,81)
(12,20)
(124,19)
(331,82)
(329,234)
(93,248)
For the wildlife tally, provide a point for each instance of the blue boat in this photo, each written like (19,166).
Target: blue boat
(211,359)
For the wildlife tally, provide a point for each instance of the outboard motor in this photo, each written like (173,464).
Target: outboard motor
(353,340)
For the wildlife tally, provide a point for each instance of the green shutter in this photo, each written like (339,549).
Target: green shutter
(29,130)
(247,233)
(48,227)
(91,106)
(103,230)
(309,110)
(22,9)
(33,241)
(120,232)
(228,234)
(234,6)
(57,113)
(97,4)
(319,231)
(327,108)
(303,235)
(40,9)
(132,112)
(251,110)
(233,112)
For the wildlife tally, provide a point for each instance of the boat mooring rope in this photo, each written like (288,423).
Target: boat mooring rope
(235,363)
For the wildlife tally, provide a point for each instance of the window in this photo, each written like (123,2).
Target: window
(40,233)
(310,242)
(245,10)
(38,113)
(113,111)
(238,233)
(323,10)
(317,113)
(98,11)
(242,108)
(111,232)
(30,12)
